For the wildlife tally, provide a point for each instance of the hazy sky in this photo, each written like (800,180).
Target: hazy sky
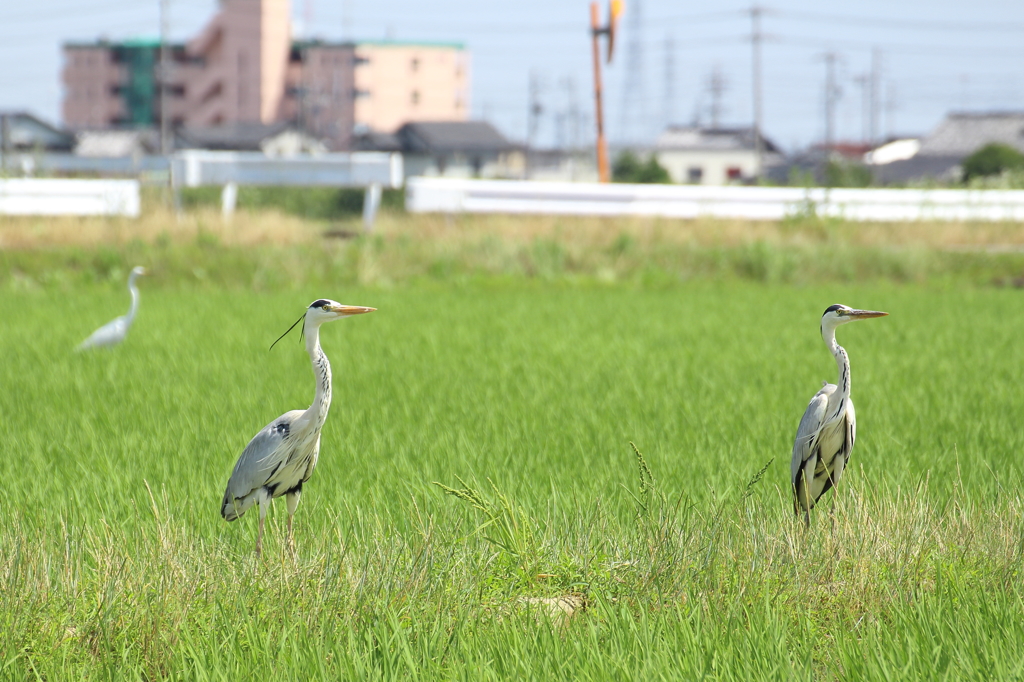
(936,56)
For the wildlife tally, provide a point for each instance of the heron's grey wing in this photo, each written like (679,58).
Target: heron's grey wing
(807,432)
(262,457)
(110,333)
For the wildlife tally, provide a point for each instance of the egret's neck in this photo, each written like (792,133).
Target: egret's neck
(842,360)
(134,291)
(317,412)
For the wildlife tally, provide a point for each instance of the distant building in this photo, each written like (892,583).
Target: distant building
(20,131)
(244,68)
(939,155)
(273,139)
(461,149)
(713,156)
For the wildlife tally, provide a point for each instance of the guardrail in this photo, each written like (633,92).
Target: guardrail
(29,164)
(38,196)
(370,170)
(692,201)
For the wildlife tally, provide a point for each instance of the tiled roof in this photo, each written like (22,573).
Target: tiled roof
(234,136)
(711,139)
(961,134)
(446,137)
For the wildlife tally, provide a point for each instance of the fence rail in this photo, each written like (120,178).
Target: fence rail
(369,170)
(755,203)
(37,196)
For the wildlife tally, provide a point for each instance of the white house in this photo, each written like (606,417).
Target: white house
(713,156)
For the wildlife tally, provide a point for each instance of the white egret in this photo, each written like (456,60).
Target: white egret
(115,331)
(824,439)
(281,457)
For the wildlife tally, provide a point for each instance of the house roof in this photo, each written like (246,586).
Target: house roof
(232,136)
(692,138)
(116,143)
(449,137)
(961,134)
(377,142)
(31,132)
(918,168)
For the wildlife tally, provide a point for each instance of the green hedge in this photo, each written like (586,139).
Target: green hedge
(312,203)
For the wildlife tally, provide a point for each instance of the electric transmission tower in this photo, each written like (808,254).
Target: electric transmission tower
(668,113)
(832,94)
(716,85)
(634,116)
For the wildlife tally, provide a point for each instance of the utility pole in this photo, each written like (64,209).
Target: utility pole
(864,83)
(346,19)
(533,119)
(535,110)
(755,47)
(571,131)
(832,95)
(891,105)
(876,77)
(162,81)
(596,31)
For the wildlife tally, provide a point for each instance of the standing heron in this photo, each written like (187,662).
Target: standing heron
(115,331)
(828,428)
(281,457)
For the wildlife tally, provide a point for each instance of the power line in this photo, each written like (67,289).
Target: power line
(916,24)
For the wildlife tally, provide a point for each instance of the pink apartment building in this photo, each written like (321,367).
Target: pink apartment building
(244,67)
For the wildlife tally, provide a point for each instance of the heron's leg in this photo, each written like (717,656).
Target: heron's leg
(259,537)
(293,504)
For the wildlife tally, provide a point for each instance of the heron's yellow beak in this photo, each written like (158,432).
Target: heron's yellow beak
(351,309)
(865,314)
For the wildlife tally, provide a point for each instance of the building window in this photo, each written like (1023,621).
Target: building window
(415,64)
(734,173)
(415,97)
(360,60)
(695,174)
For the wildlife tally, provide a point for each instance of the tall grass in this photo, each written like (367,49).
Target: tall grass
(268,251)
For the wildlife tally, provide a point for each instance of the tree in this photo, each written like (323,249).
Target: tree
(628,168)
(992,159)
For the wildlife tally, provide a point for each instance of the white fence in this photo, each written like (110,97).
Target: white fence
(691,201)
(370,170)
(31,196)
(359,169)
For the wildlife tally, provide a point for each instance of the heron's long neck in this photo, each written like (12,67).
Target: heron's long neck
(842,362)
(134,291)
(317,412)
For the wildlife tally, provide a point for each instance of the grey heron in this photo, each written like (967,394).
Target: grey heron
(824,439)
(115,331)
(281,457)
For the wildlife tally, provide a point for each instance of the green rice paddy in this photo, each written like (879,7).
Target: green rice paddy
(524,398)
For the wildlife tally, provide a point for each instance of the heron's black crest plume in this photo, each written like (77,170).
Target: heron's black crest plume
(289,329)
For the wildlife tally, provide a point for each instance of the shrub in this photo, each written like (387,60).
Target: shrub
(992,159)
(846,174)
(629,168)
